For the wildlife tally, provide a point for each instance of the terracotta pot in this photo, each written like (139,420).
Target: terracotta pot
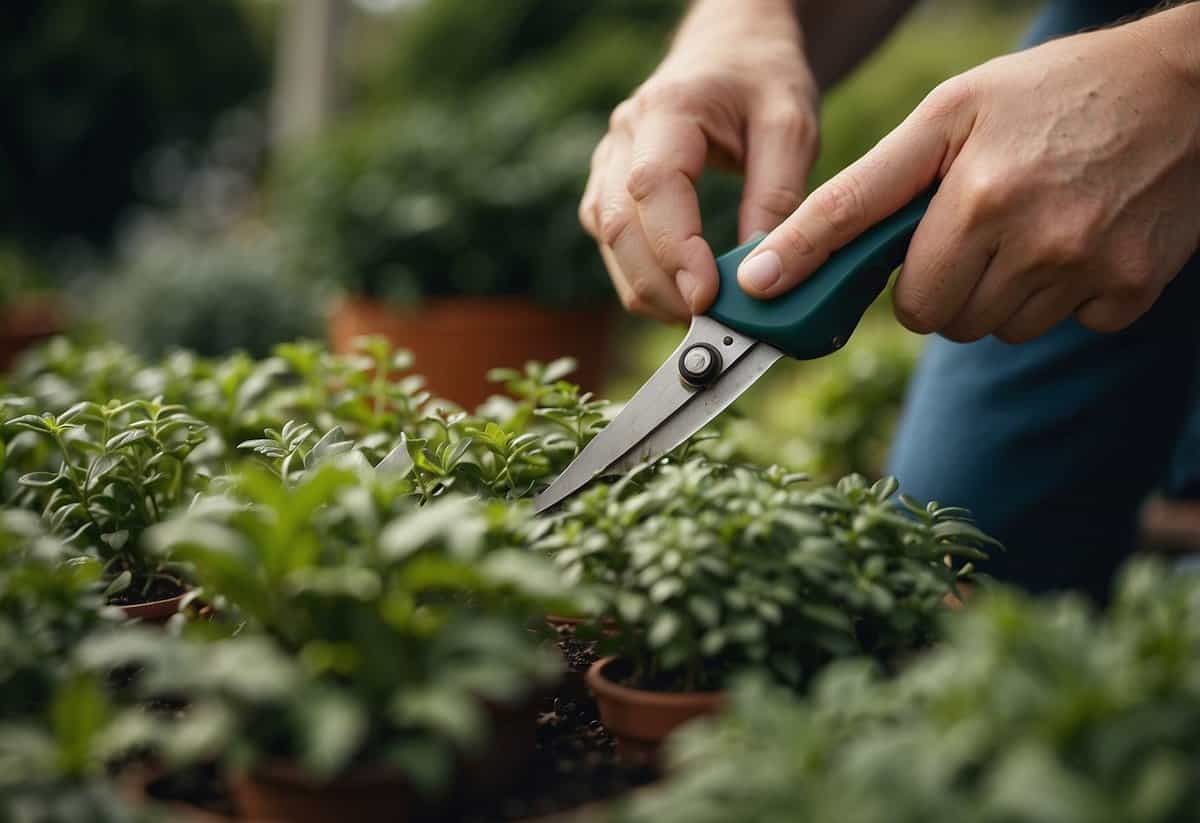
(24,324)
(136,786)
(641,720)
(455,341)
(281,792)
(156,611)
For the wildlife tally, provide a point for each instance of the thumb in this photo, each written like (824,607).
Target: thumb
(900,167)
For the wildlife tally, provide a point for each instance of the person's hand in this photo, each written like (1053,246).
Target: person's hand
(1070,185)
(734,90)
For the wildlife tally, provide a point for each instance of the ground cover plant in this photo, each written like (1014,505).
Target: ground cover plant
(699,569)
(1030,711)
(380,586)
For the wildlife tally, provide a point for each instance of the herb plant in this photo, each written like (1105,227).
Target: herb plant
(1030,711)
(702,569)
(379,631)
(121,468)
(54,714)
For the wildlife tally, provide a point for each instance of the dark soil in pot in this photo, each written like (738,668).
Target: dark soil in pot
(640,719)
(156,604)
(280,792)
(574,765)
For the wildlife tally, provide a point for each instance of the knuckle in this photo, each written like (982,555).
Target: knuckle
(1133,284)
(948,98)
(986,191)
(615,221)
(646,176)
(587,215)
(794,239)
(840,202)
(779,201)
(1062,248)
(914,310)
(622,116)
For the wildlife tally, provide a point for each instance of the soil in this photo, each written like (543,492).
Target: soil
(160,588)
(575,763)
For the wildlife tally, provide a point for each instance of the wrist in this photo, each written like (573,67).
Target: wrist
(728,19)
(1174,35)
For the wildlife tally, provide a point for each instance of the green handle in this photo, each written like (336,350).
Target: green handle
(817,317)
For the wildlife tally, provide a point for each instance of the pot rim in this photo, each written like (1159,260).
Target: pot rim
(603,687)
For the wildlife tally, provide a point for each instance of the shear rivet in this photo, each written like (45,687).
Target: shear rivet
(699,365)
(728,341)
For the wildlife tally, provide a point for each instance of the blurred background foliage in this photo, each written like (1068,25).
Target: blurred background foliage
(138,170)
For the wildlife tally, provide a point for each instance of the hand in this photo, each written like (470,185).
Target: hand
(1070,185)
(734,90)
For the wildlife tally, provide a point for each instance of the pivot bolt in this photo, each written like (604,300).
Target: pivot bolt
(699,365)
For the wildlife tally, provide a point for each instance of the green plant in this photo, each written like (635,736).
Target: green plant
(211,295)
(701,569)
(53,715)
(1030,711)
(121,467)
(370,632)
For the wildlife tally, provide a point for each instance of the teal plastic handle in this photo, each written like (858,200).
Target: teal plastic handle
(817,317)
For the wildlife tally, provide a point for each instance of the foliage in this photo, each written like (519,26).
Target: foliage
(121,467)
(53,715)
(372,632)
(1031,711)
(210,295)
(703,569)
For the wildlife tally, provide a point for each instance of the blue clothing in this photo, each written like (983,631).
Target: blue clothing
(1054,444)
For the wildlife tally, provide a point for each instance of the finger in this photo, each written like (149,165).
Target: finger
(1110,314)
(900,166)
(668,156)
(949,260)
(648,289)
(781,148)
(1044,310)
(589,202)
(626,294)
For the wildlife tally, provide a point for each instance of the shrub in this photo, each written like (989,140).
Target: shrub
(702,570)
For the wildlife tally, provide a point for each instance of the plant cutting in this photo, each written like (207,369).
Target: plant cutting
(116,469)
(701,570)
(1029,711)
(379,647)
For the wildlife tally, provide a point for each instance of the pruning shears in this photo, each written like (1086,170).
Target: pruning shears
(729,348)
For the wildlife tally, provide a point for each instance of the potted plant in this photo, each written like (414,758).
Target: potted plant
(706,569)
(1029,710)
(54,715)
(109,472)
(382,650)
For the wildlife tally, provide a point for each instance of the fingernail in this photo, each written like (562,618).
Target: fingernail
(686,283)
(761,271)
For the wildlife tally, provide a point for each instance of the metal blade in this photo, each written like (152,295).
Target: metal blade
(658,399)
(697,414)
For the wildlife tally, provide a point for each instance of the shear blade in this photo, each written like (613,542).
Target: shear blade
(664,410)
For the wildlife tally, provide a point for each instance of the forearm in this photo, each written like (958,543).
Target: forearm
(836,34)
(840,34)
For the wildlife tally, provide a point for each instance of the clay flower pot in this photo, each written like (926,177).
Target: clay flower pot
(641,720)
(455,341)
(281,792)
(26,323)
(156,611)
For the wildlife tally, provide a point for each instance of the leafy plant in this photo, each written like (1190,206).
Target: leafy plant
(370,631)
(211,295)
(1030,711)
(53,715)
(121,468)
(702,569)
